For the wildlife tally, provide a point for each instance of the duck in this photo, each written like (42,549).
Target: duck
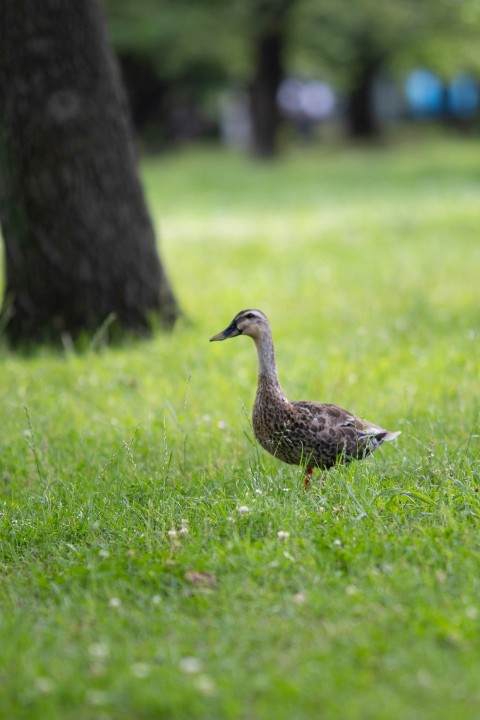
(312,435)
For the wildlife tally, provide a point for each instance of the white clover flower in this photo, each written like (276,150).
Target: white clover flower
(299,598)
(114,602)
(204,684)
(44,685)
(99,651)
(243,509)
(172,533)
(283,534)
(96,697)
(190,665)
(140,670)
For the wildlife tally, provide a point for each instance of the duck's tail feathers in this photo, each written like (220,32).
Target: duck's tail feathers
(377,435)
(387,436)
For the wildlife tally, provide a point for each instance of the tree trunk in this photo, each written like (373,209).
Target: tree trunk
(271,20)
(361,120)
(265,118)
(79,243)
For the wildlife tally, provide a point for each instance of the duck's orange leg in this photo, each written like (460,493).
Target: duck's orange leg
(308,475)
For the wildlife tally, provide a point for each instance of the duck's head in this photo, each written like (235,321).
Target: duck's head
(246,322)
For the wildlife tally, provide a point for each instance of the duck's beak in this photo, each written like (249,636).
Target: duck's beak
(231,331)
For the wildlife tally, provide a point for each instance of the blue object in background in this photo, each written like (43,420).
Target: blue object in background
(425,94)
(463,97)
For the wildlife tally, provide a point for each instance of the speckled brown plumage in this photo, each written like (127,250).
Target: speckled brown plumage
(315,435)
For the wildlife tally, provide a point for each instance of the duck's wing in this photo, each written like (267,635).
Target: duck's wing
(350,435)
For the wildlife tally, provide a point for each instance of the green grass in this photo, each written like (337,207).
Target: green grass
(368,265)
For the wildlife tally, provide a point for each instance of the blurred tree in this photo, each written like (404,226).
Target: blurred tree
(79,242)
(172,69)
(257,42)
(354,39)
(269,21)
(249,48)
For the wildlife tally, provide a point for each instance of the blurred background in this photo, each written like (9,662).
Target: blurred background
(258,74)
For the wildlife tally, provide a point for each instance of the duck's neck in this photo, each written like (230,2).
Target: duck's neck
(267,367)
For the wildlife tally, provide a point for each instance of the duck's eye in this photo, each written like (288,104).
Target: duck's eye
(250,316)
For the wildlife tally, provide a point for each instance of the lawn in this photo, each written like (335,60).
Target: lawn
(156,564)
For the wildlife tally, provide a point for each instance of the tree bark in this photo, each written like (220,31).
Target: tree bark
(79,242)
